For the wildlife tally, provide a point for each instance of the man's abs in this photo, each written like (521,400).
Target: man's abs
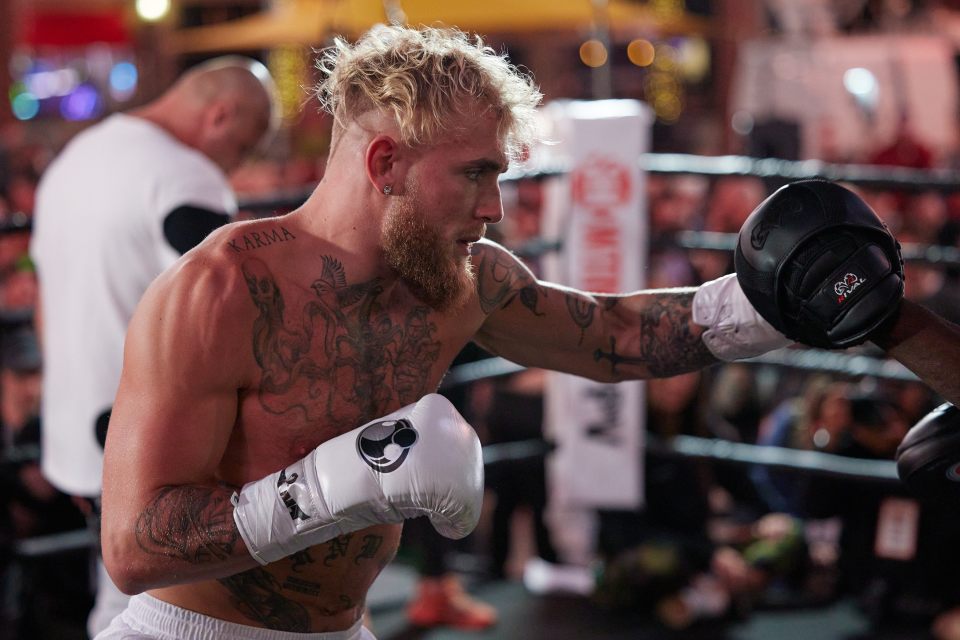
(319,589)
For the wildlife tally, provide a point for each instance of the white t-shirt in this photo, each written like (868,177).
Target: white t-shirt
(98,242)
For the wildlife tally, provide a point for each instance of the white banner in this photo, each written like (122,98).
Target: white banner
(598,213)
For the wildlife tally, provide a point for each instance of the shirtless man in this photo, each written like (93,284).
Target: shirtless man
(239,484)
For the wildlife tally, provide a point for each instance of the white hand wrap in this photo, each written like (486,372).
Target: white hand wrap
(734,328)
(423,459)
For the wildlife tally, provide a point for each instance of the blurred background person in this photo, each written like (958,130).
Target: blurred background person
(48,596)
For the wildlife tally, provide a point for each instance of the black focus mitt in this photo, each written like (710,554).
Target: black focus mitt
(928,459)
(819,265)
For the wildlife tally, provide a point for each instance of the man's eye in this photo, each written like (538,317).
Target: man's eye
(474,174)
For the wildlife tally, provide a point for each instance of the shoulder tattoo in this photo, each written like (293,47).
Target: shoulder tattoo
(258,239)
(500,279)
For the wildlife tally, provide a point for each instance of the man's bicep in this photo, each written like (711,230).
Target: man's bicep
(177,400)
(526,320)
(162,434)
(167,512)
(550,326)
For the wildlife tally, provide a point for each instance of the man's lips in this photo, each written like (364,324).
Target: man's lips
(466,244)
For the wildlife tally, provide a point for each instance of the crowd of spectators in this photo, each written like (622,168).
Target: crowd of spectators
(713,541)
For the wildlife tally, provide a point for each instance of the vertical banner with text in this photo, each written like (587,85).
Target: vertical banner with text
(598,213)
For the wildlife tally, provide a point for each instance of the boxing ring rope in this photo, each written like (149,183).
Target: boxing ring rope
(813,462)
(772,169)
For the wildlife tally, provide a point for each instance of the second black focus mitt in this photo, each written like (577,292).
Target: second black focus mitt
(928,459)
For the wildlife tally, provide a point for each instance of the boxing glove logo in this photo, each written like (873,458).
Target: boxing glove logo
(385,445)
(774,220)
(848,285)
(760,233)
(285,485)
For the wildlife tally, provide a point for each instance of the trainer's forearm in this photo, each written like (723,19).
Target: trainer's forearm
(928,345)
(184,534)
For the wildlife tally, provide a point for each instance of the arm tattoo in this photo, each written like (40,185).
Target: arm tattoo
(667,346)
(499,280)
(582,312)
(255,239)
(256,594)
(193,524)
(529,296)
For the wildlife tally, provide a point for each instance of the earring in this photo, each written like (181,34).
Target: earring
(387,189)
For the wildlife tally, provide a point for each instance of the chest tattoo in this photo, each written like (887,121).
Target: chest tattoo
(343,355)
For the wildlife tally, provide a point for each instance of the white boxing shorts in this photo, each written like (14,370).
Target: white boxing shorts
(147,618)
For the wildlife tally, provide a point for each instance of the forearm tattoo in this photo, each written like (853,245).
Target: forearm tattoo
(193,524)
(582,313)
(665,344)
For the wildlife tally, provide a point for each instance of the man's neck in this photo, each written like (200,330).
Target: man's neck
(164,118)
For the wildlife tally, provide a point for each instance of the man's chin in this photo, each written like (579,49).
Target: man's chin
(449,295)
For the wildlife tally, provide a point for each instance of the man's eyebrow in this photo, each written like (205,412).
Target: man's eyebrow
(488,164)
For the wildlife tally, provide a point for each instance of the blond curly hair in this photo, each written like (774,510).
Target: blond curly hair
(424,77)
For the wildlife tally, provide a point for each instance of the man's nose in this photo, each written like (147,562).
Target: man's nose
(490,205)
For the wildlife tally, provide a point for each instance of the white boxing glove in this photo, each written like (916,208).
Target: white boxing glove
(421,460)
(734,328)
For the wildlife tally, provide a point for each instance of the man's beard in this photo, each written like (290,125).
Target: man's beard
(423,258)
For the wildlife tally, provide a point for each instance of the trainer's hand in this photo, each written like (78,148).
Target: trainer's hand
(928,459)
(819,265)
(423,459)
(734,328)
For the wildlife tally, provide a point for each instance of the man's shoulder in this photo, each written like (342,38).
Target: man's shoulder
(493,260)
(222,262)
(487,252)
(208,271)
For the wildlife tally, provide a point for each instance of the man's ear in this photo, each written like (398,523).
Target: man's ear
(217,115)
(385,163)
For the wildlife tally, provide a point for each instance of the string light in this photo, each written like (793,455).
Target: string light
(663,89)
(641,52)
(593,53)
(153,10)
